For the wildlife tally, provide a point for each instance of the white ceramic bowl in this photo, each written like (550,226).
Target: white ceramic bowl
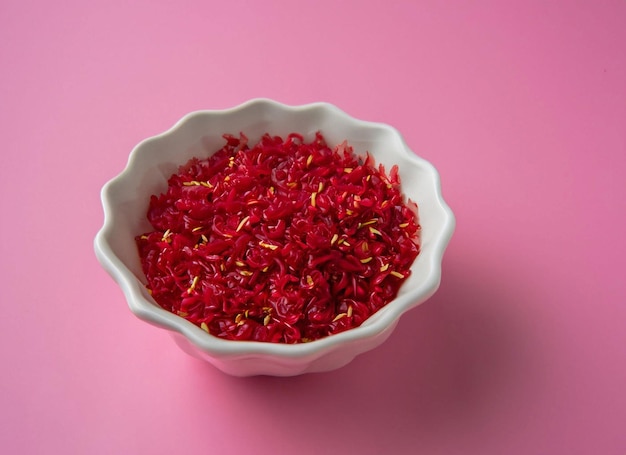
(125,200)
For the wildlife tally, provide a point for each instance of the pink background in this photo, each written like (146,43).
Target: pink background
(520,105)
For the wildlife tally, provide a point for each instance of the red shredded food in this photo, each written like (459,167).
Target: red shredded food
(284,241)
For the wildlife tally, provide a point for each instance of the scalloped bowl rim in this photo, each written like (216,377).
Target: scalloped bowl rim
(216,347)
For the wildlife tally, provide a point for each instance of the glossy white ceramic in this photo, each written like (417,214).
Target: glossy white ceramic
(125,200)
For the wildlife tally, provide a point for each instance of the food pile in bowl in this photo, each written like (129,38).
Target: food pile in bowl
(271,239)
(283,241)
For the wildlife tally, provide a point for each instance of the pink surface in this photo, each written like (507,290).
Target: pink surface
(520,105)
